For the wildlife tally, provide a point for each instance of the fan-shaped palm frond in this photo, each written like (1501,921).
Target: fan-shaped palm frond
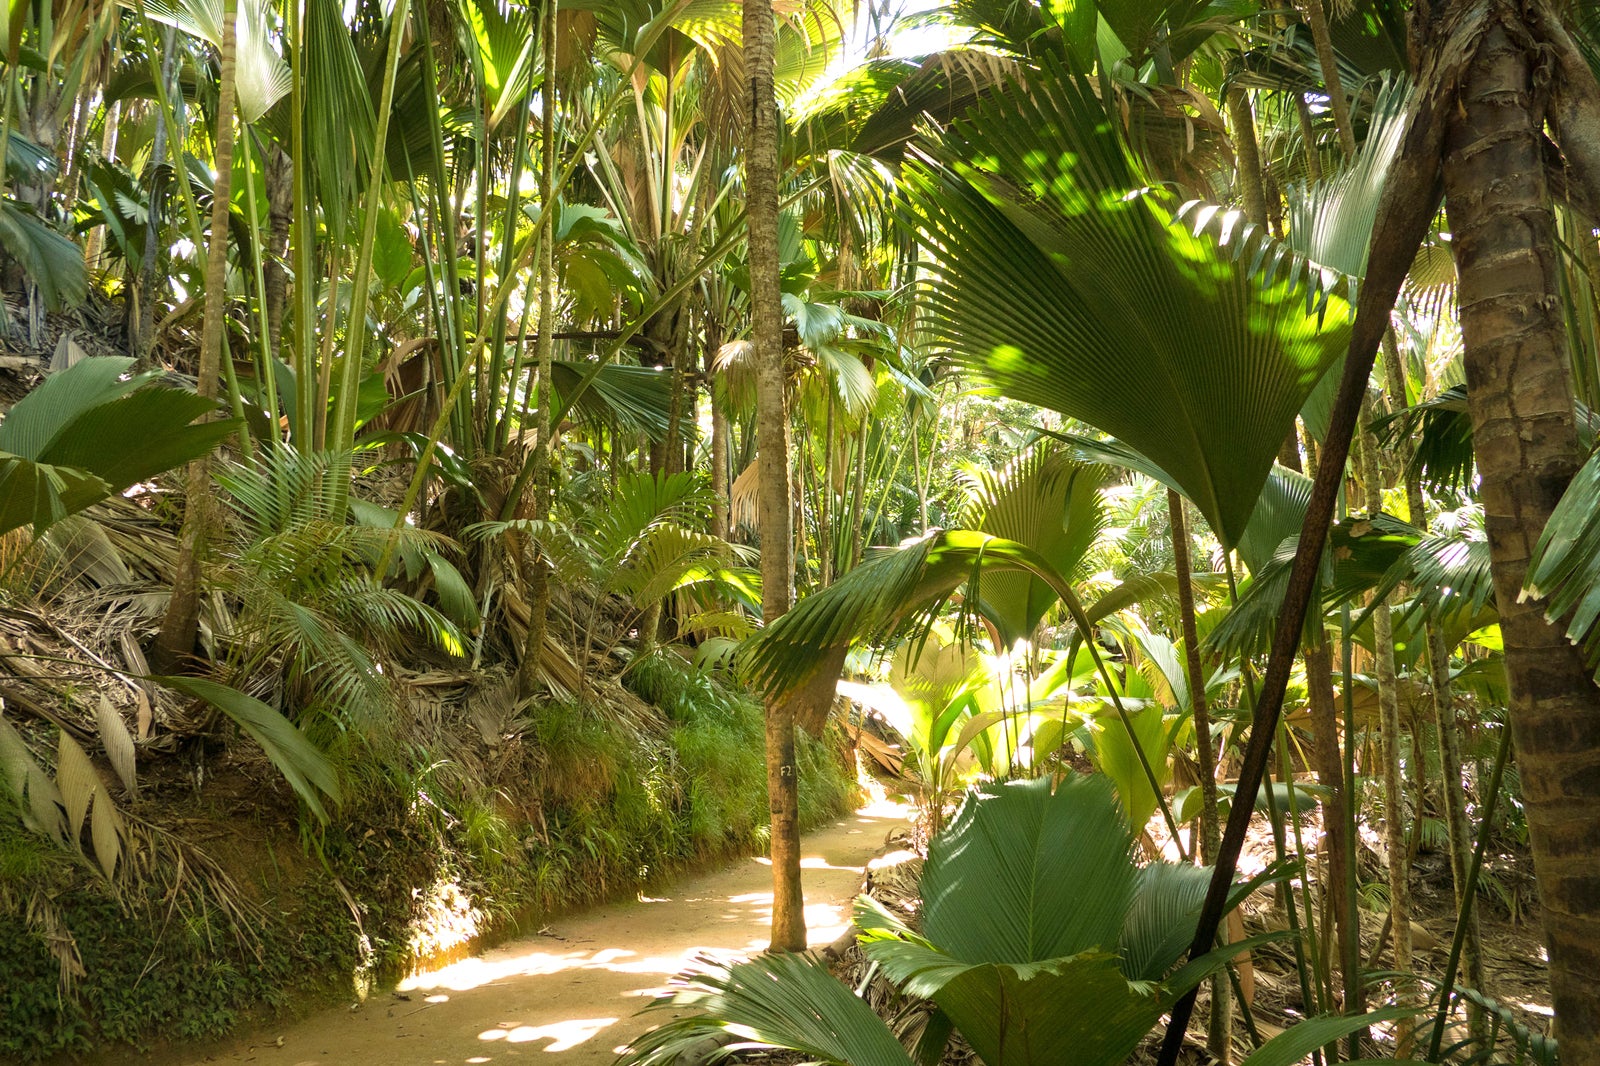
(51,261)
(90,431)
(1063,279)
(1052,504)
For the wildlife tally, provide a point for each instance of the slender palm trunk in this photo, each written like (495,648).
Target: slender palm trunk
(1526,444)
(181,624)
(142,329)
(528,673)
(1247,154)
(772,432)
(280,218)
(1219,1038)
(1452,787)
(1394,797)
(1339,104)
(720,475)
(1329,759)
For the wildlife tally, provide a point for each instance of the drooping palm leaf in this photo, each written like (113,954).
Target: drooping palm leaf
(1565,567)
(782,1001)
(89,431)
(1062,279)
(50,260)
(304,766)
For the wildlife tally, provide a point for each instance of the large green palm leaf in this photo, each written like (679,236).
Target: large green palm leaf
(1063,279)
(1052,504)
(90,431)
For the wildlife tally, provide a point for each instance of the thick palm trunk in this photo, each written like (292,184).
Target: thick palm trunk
(1527,449)
(181,624)
(772,437)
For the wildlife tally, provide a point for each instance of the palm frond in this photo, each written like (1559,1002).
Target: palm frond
(302,764)
(1063,279)
(1565,567)
(776,1001)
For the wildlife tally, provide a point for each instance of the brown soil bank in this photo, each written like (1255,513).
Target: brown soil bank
(571,993)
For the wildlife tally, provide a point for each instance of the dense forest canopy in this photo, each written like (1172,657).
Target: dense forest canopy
(1161,424)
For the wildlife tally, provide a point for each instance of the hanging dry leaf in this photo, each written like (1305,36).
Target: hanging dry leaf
(42,806)
(78,782)
(105,828)
(118,744)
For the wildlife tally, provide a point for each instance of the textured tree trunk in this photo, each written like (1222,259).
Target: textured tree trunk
(720,475)
(1247,156)
(1394,796)
(1330,774)
(528,672)
(280,218)
(772,433)
(180,626)
(1219,1034)
(1526,444)
(1437,655)
(1317,20)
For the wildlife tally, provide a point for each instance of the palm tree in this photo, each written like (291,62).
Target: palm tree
(182,620)
(772,434)
(1474,140)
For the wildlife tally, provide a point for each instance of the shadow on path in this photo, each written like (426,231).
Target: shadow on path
(571,997)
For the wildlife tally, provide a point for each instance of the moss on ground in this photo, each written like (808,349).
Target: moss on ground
(419,861)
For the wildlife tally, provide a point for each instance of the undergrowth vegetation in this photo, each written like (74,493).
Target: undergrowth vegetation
(424,860)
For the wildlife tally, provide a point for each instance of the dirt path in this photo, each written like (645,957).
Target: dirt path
(570,999)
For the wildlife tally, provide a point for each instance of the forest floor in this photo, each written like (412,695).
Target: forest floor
(570,994)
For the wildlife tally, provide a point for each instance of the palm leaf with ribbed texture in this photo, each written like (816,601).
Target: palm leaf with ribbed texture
(777,1001)
(88,432)
(1025,873)
(1052,504)
(1565,567)
(52,262)
(1059,276)
(301,762)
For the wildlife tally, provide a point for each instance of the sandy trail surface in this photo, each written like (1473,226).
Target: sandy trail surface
(570,997)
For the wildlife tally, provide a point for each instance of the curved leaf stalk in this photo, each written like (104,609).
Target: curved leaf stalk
(1464,919)
(1219,1038)
(1069,598)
